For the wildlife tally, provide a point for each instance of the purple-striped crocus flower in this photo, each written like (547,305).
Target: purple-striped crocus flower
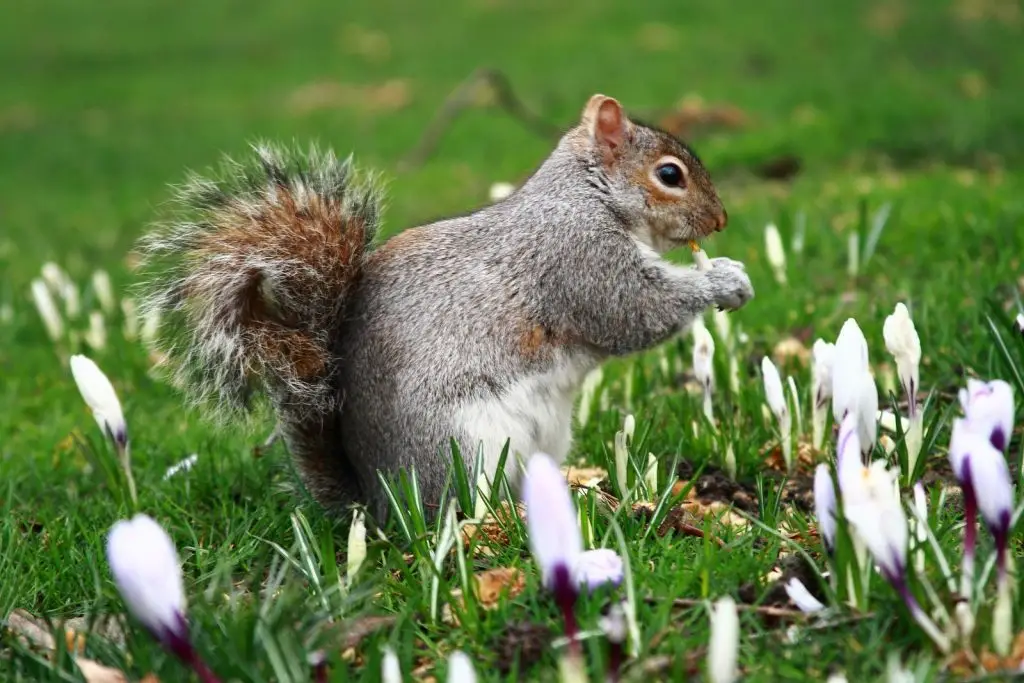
(556,542)
(145,566)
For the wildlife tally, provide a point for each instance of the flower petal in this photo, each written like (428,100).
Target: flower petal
(595,568)
(802,597)
(460,668)
(723,650)
(550,516)
(144,563)
(773,392)
(99,395)
(825,505)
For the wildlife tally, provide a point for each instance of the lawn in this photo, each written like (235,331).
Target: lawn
(899,121)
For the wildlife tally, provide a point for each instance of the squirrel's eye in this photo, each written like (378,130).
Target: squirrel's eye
(670,174)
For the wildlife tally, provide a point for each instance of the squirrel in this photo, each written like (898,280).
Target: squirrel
(478,328)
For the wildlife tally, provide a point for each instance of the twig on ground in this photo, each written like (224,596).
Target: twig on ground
(461,99)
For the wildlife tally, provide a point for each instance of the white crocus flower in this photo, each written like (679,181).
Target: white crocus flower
(703,366)
(130,311)
(775,252)
(825,506)
(591,383)
(47,308)
(356,546)
(988,406)
(988,488)
(723,327)
(150,326)
(555,538)
(802,597)
(822,357)
(104,291)
(72,303)
(554,534)
(776,399)
(853,387)
(99,395)
(101,398)
(874,510)
(54,277)
(390,668)
(850,361)
(1019,323)
(460,668)
(96,337)
(145,566)
(853,254)
(629,427)
(905,346)
(723,650)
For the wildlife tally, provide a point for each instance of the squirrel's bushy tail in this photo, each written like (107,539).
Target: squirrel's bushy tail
(250,280)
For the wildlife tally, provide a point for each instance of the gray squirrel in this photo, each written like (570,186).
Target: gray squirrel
(478,328)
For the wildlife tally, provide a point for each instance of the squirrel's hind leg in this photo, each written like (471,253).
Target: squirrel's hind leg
(315,444)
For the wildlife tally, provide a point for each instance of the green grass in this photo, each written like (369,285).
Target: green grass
(105,105)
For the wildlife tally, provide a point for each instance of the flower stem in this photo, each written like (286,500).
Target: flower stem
(970,540)
(919,615)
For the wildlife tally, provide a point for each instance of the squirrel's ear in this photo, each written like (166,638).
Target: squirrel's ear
(604,119)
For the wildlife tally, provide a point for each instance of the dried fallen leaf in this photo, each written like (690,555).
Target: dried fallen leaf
(492,528)
(693,113)
(489,586)
(791,348)
(388,96)
(31,631)
(805,460)
(965,663)
(584,477)
(94,672)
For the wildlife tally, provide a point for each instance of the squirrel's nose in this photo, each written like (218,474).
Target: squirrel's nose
(721,220)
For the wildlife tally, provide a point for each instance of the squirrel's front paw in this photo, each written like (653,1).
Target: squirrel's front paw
(730,284)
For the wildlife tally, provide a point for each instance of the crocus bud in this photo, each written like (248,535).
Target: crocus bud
(988,406)
(145,566)
(775,252)
(130,311)
(850,363)
(629,427)
(776,399)
(551,519)
(723,650)
(1019,323)
(54,277)
(47,308)
(822,357)
(101,398)
(356,546)
(773,392)
(703,366)
(104,291)
(825,506)
(460,668)
(905,346)
(96,337)
(390,668)
(72,302)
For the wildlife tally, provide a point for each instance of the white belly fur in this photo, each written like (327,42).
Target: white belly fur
(535,414)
